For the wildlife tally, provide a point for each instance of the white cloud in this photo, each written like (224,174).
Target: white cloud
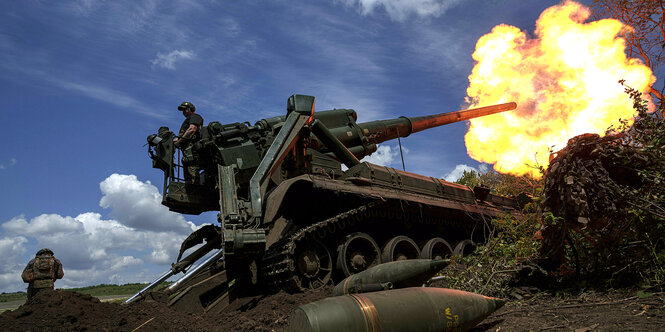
(399,10)
(11,247)
(164,247)
(120,263)
(10,280)
(231,26)
(44,224)
(104,94)
(385,155)
(142,235)
(168,60)
(334,94)
(160,257)
(456,173)
(138,205)
(11,265)
(443,50)
(12,162)
(84,7)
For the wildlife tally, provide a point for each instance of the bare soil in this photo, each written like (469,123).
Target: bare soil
(617,310)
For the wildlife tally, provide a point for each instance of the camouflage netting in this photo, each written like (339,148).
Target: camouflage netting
(604,203)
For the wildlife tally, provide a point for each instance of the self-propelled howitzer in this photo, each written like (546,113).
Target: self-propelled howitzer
(288,208)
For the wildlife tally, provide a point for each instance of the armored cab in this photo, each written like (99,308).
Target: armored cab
(291,212)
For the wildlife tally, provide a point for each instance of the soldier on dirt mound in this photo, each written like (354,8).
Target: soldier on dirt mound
(41,272)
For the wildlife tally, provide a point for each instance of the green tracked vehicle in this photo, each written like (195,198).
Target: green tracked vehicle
(291,217)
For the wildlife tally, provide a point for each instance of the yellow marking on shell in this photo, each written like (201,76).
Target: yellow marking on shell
(452,320)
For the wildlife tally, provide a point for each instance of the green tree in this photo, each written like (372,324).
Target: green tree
(469,178)
(502,184)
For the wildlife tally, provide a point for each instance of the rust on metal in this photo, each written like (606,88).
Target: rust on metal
(430,121)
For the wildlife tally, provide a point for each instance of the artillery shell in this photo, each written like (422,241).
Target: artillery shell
(408,309)
(401,274)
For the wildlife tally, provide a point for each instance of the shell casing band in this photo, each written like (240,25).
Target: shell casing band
(346,285)
(369,312)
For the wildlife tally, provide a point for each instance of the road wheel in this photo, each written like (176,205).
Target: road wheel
(436,248)
(357,253)
(400,248)
(464,248)
(314,266)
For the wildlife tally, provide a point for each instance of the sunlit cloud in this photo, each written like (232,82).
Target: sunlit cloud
(385,155)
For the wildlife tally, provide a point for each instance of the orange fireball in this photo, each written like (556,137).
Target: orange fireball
(565,82)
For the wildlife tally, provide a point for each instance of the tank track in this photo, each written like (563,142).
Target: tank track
(278,268)
(278,264)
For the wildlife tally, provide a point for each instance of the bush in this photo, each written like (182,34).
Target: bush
(491,268)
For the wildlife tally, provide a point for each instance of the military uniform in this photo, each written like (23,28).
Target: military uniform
(42,272)
(188,159)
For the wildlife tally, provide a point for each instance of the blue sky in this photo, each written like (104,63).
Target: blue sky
(84,82)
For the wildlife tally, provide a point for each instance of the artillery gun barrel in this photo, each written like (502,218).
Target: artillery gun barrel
(384,130)
(420,123)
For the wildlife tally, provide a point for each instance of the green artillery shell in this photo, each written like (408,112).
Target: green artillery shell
(407,309)
(401,274)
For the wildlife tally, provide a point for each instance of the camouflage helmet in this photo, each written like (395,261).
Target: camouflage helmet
(187,105)
(45,251)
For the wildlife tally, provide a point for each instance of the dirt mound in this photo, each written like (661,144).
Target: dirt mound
(69,311)
(266,313)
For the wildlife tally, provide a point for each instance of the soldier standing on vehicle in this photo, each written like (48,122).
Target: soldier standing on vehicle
(190,132)
(41,272)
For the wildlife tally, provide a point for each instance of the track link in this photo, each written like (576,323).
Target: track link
(279,262)
(279,270)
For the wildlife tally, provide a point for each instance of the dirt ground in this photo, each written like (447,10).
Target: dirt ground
(617,310)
